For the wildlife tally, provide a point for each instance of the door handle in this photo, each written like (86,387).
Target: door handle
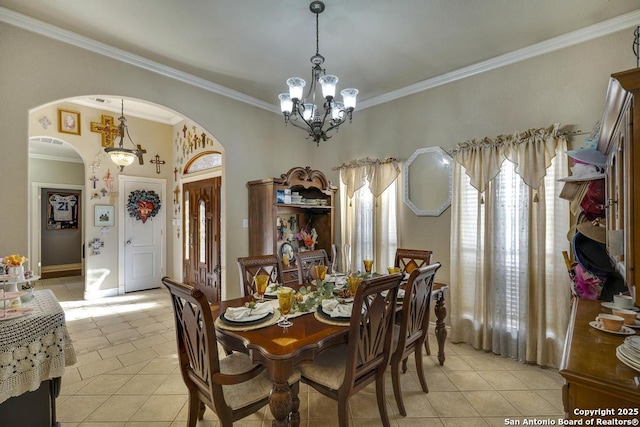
(129,242)
(217,269)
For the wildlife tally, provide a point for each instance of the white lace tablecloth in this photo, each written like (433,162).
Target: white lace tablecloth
(35,347)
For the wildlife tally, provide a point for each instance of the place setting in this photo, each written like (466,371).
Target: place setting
(612,324)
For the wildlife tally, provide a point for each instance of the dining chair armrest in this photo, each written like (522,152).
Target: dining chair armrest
(229,379)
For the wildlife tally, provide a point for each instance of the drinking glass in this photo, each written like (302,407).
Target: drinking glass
(368,263)
(261,281)
(354,282)
(285,301)
(393,270)
(321,272)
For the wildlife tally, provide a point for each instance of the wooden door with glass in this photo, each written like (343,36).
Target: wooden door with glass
(201,225)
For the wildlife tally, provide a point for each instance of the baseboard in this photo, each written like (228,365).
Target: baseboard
(60,267)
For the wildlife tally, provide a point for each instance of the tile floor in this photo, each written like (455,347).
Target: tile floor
(127,376)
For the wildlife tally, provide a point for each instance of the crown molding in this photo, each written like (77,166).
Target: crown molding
(591,32)
(22,21)
(55,158)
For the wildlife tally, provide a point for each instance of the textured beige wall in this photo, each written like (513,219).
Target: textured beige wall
(255,141)
(55,172)
(567,86)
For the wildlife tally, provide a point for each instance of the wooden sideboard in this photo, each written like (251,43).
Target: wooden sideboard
(267,213)
(594,377)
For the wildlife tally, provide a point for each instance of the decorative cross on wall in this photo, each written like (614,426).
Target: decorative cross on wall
(108,130)
(175,173)
(108,178)
(94,180)
(158,162)
(141,150)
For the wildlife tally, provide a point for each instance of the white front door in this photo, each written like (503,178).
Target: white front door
(143,263)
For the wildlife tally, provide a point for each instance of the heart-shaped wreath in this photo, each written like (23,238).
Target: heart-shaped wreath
(143,204)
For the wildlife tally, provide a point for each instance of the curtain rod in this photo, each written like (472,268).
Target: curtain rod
(367,161)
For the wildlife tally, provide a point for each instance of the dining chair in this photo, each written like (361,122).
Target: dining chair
(249,266)
(232,386)
(342,370)
(410,259)
(307,260)
(414,326)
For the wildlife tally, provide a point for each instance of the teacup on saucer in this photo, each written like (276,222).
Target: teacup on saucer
(629,316)
(610,322)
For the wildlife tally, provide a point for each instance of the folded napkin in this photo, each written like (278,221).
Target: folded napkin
(334,308)
(400,293)
(239,313)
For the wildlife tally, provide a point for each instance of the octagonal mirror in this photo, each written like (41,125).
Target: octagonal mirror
(428,181)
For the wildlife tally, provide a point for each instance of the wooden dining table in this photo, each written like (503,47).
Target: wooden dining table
(280,350)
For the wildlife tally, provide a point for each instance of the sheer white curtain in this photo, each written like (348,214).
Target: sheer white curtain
(509,292)
(369,202)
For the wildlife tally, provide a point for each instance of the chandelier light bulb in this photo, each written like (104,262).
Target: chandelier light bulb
(328,83)
(309,111)
(349,97)
(337,111)
(286,105)
(296,86)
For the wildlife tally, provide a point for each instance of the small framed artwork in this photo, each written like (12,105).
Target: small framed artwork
(68,121)
(104,216)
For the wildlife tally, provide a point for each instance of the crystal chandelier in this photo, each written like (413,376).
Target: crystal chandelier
(303,112)
(119,155)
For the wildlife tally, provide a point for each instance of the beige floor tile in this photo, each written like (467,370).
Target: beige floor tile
(419,422)
(320,406)
(437,381)
(150,342)
(142,384)
(104,385)
(466,380)
(160,408)
(451,404)
(530,403)
(148,424)
(490,403)
(464,422)
(77,408)
(118,408)
(138,356)
(173,384)
(161,365)
(101,367)
(539,379)
(116,350)
(453,363)
(123,336)
(503,380)
(102,424)
(115,327)
(485,362)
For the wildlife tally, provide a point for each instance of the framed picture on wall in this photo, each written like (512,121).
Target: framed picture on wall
(68,121)
(104,216)
(62,210)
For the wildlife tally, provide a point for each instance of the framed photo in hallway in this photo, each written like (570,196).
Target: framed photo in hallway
(104,216)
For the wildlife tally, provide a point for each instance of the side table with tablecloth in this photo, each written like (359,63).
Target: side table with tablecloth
(34,349)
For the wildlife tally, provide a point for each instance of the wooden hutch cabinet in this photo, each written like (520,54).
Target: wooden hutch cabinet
(276,214)
(594,377)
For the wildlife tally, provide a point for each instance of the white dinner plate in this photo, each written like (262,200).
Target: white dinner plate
(10,295)
(611,306)
(14,313)
(633,342)
(624,331)
(626,360)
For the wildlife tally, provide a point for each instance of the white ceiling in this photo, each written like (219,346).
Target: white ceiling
(248,48)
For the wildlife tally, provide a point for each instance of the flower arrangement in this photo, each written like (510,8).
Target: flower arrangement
(309,238)
(14,260)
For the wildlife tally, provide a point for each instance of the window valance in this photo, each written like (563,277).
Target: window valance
(379,173)
(530,151)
